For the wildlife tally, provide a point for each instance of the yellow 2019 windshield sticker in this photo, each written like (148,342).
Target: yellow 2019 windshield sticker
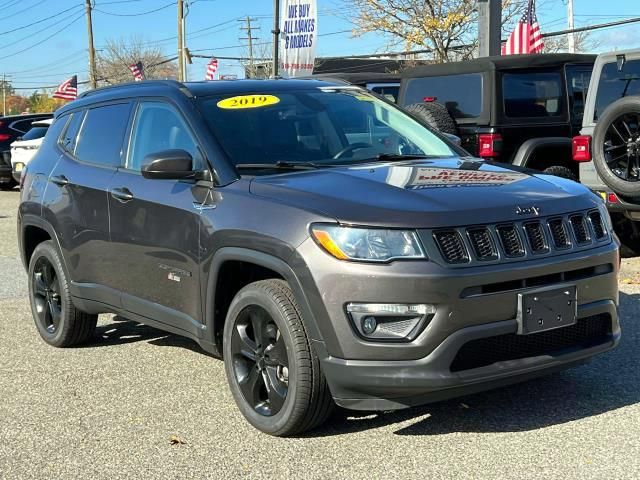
(248,101)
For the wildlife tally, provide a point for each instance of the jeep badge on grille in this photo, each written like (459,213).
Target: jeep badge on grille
(528,210)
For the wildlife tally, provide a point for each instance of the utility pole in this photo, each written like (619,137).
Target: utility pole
(276,36)
(92,52)
(489,27)
(571,37)
(4,95)
(180,41)
(249,29)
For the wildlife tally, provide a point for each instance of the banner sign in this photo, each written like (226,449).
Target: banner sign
(298,34)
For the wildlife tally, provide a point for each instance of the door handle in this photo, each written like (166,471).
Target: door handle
(122,194)
(60,180)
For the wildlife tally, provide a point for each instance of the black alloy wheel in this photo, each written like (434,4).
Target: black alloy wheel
(274,374)
(260,361)
(58,320)
(46,295)
(622,147)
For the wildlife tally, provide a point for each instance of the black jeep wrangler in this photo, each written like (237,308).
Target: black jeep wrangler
(520,109)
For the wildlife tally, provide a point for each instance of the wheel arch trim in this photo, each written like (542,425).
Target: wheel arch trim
(265,260)
(29,220)
(524,153)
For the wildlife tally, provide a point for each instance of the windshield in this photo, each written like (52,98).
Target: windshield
(35,133)
(322,126)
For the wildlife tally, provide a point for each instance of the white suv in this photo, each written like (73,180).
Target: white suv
(23,149)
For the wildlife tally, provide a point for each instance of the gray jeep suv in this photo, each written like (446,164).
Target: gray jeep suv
(331,248)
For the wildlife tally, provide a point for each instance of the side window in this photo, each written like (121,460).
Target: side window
(53,132)
(68,140)
(461,94)
(614,85)
(159,127)
(578,78)
(102,135)
(529,95)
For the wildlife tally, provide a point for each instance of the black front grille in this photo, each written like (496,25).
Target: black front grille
(598,227)
(510,240)
(586,333)
(580,229)
(535,235)
(482,243)
(451,246)
(559,233)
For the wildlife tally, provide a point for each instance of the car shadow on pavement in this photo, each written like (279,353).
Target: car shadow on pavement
(609,382)
(122,331)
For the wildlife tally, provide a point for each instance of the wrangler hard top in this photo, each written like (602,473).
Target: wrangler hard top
(520,109)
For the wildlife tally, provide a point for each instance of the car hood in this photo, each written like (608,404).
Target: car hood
(27,143)
(426,193)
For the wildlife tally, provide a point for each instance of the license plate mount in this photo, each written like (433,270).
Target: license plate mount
(547,309)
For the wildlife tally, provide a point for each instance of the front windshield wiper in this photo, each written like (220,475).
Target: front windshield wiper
(278,166)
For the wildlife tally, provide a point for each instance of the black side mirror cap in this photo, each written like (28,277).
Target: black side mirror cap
(168,164)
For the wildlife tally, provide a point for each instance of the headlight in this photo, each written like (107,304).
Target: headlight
(367,244)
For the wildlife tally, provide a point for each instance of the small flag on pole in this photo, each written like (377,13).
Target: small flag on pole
(212,68)
(67,90)
(138,71)
(526,37)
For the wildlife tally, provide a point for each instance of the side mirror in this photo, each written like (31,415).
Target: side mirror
(168,164)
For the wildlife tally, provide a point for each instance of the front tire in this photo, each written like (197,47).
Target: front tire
(273,373)
(58,321)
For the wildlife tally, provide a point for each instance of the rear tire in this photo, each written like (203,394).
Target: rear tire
(59,322)
(616,146)
(274,375)
(435,115)
(560,171)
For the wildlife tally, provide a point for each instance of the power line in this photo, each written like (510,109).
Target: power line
(21,39)
(135,14)
(44,39)
(39,21)
(23,10)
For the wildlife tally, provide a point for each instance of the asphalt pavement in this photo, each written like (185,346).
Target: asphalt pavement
(141,403)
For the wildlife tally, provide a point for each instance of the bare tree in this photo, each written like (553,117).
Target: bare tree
(584,42)
(113,60)
(262,65)
(446,27)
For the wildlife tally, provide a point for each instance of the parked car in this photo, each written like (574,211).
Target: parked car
(323,267)
(385,84)
(23,150)
(518,109)
(11,128)
(608,147)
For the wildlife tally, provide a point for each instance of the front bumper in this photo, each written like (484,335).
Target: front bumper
(391,385)
(471,303)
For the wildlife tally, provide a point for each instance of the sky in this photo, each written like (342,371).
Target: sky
(50,51)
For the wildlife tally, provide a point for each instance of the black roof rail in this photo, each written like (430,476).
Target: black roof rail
(145,83)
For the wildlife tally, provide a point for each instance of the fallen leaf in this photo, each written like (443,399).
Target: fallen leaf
(631,281)
(176,440)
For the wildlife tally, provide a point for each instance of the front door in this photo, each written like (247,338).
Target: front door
(155,225)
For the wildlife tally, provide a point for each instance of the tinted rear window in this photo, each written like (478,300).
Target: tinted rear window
(68,140)
(530,95)
(614,84)
(102,135)
(461,94)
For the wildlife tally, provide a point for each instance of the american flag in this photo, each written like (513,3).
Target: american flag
(526,37)
(68,90)
(138,71)
(212,67)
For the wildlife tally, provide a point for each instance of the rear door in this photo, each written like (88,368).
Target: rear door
(155,225)
(77,195)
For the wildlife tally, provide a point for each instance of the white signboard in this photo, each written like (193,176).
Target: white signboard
(298,36)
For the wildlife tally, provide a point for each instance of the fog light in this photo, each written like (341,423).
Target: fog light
(390,321)
(369,325)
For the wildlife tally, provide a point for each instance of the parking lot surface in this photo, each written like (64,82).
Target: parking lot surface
(141,403)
